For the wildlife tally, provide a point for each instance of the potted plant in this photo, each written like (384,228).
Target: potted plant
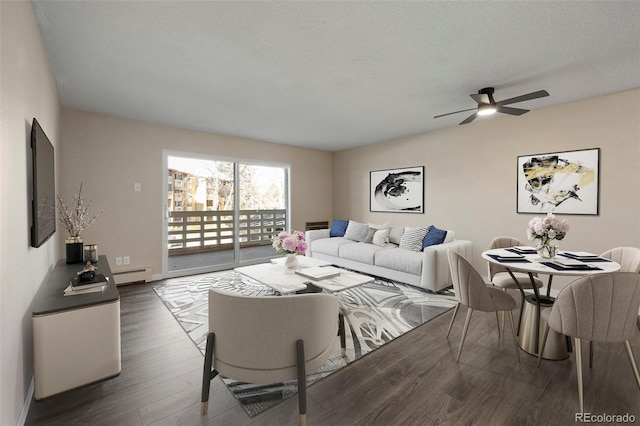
(290,244)
(545,230)
(76,219)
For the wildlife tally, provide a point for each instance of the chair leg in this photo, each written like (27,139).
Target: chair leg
(579,373)
(633,362)
(207,374)
(513,332)
(455,312)
(638,322)
(464,332)
(521,309)
(544,342)
(302,383)
(498,322)
(590,353)
(502,315)
(343,338)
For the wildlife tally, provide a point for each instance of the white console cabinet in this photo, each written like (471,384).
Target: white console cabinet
(76,339)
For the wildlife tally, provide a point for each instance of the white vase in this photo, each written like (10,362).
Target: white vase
(292,261)
(547,251)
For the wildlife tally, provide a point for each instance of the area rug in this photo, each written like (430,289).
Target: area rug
(375,314)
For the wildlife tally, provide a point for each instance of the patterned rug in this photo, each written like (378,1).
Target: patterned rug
(375,314)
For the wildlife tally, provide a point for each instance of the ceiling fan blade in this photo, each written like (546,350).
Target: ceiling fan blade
(522,98)
(481,98)
(469,119)
(511,110)
(455,112)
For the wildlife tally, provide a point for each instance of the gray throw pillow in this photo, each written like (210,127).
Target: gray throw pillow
(357,231)
(395,233)
(412,238)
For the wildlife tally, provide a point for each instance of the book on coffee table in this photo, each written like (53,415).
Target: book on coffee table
(319,272)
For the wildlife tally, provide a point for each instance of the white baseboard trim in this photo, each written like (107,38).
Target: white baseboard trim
(27,404)
(132,275)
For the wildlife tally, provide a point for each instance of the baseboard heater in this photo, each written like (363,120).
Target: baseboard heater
(132,276)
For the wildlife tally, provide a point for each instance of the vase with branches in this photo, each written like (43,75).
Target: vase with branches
(76,218)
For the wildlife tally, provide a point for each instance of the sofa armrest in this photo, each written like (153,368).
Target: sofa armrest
(435,263)
(315,234)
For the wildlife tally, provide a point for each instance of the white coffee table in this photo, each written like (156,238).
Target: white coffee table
(283,280)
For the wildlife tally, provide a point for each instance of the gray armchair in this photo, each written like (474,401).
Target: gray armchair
(600,308)
(268,339)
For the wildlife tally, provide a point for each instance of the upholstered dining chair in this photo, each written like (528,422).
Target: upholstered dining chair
(472,292)
(600,308)
(629,260)
(627,257)
(268,339)
(501,278)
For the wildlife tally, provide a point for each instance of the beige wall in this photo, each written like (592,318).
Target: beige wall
(27,90)
(110,154)
(470,173)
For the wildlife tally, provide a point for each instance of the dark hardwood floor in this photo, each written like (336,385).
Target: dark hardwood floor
(411,381)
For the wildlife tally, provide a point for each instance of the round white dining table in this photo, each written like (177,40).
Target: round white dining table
(523,260)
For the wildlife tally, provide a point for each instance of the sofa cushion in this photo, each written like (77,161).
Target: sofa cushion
(338,228)
(357,231)
(400,260)
(360,252)
(412,238)
(395,233)
(434,236)
(329,246)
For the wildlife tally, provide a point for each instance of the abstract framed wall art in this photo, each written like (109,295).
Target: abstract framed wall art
(397,190)
(561,182)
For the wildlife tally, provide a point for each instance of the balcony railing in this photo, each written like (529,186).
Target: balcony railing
(198,231)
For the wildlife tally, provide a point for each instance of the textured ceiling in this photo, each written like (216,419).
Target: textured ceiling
(332,75)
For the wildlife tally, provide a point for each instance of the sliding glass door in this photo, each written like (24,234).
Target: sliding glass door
(221,213)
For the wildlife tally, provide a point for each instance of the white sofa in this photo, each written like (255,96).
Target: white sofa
(428,269)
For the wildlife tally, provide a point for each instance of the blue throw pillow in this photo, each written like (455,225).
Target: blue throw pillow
(338,228)
(434,236)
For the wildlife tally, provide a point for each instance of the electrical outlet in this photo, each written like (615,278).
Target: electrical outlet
(118,261)
(126,260)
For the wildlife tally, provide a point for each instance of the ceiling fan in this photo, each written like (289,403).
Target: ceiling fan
(487,105)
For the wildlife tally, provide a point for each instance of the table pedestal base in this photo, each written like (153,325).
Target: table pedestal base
(556,347)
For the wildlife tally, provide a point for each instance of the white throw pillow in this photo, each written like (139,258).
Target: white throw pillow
(450,237)
(356,231)
(378,227)
(412,238)
(381,237)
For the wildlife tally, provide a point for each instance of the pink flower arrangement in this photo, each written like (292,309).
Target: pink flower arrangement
(547,229)
(290,243)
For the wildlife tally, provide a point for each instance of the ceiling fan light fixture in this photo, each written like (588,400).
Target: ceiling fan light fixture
(487,109)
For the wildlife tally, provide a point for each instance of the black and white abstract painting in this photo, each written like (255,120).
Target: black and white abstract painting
(561,182)
(397,190)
